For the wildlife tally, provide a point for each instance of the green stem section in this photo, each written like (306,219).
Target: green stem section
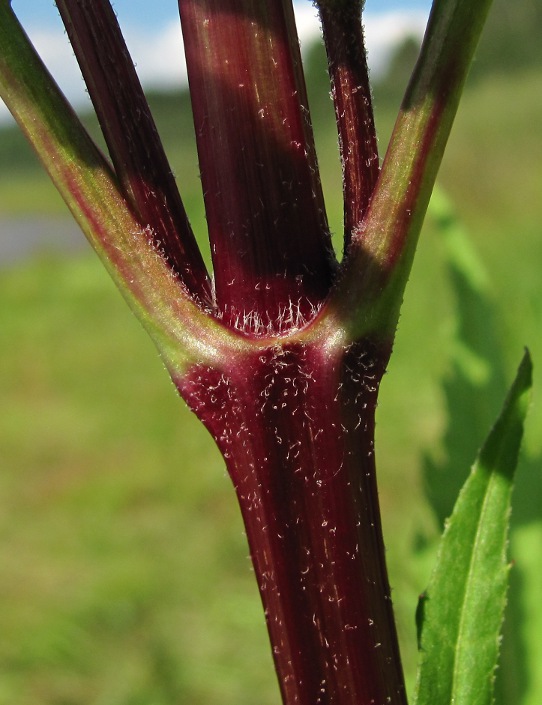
(380,256)
(181,330)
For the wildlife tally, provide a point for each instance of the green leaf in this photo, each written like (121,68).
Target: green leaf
(459,617)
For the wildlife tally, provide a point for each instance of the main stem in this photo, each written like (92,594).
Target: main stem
(296,427)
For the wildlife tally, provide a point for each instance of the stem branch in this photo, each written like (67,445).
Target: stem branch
(296,427)
(140,162)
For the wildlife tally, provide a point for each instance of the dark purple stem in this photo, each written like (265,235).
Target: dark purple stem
(294,421)
(292,414)
(271,249)
(296,426)
(135,147)
(345,47)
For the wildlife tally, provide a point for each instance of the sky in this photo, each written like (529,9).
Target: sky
(152,32)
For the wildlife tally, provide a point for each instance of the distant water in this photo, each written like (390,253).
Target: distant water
(22,237)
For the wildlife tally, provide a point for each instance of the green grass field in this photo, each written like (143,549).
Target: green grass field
(124,577)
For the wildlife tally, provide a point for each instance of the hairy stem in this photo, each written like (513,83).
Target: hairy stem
(128,126)
(345,47)
(179,327)
(378,262)
(296,427)
(271,249)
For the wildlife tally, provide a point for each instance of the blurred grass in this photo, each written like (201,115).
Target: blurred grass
(121,554)
(124,577)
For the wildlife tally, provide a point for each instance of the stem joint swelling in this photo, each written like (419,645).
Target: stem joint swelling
(296,428)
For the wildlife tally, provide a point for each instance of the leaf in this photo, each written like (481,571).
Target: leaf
(460,615)
(476,381)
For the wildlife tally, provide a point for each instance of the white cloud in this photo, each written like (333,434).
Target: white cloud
(307,22)
(159,56)
(53,47)
(4,113)
(384,32)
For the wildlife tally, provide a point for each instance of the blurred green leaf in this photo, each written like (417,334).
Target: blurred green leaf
(459,617)
(476,380)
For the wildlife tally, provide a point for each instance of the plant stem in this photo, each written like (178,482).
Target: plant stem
(181,330)
(288,393)
(272,255)
(295,424)
(347,60)
(382,249)
(140,162)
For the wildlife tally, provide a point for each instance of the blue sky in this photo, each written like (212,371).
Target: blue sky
(156,13)
(153,35)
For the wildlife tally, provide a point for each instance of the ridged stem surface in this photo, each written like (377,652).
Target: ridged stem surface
(296,427)
(272,256)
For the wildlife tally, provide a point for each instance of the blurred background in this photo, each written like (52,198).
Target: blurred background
(124,571)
